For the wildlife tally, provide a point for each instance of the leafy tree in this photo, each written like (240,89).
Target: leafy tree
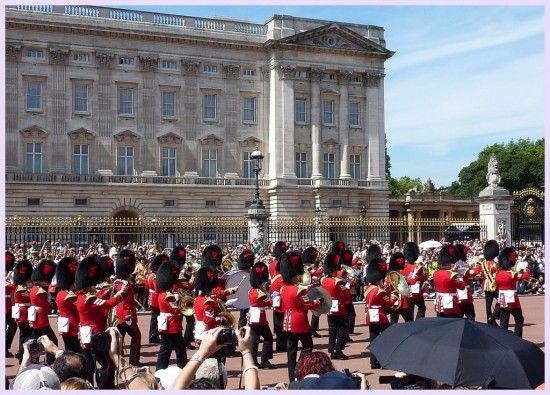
(400,186)
(521,165)
(388,164)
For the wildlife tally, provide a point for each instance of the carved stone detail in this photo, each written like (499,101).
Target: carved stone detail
(265,70)
(149,62)
(34,133)
(170,139)
(127,136)
(104,59)
(251,142)
(372,79)
(287,72)
(190,66)
(58,55)
(13,52)
(231,71)
(212,139)
(344,76)
(331,41)
(81,135)
(315,74)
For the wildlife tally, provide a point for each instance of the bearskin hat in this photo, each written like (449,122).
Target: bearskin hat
(491,250)
(206,280)
(374,251)
(397,261)
(279,249)
(507,258)
(212,256)
(44,271)
(462,253)
(259,274)
(376,271)
(447,255)
(157,261)
(88,272)
(10,261)
(347,257)
(65,272)
(291,265)
(125,264)
(167,275)
(338,247)
(411,251)
(178,255)
(22,272)
(332,263)
(310,255)
(246,260)
(107,266)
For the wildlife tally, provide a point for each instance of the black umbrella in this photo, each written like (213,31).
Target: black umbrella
(460,352)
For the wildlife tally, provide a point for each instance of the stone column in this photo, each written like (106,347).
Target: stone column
(231,113)
(192,104)
(315,120)
(257,225)
(287,93)
(148,115)
(107,113)
(343,122)
(13,55)
(58,97)
(374,126)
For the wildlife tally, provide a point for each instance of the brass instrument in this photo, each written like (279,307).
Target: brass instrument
(304,280)
(350,273)
(227,317)
(112,319)
(397,286)
(186,305)
(227,265)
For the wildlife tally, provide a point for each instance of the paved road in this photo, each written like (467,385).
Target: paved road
(533,308)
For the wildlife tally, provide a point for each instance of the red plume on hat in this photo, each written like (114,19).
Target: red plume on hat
(65,273)
(22,272)
(290,264)
(279,249)
(259,274)
(246,260)
(446,254)
(88,272)
(212,256)
(397,261)
(332,263)
(507,258)
(309,256)
(44,271)
(376,271)
(167,275)
(125,264)
(10,261)
(178,255)
(347,257)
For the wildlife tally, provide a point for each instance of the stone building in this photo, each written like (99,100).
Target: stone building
(117,113)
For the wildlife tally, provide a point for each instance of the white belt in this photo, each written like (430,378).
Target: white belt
(170,314)
(23,304)
(152,291)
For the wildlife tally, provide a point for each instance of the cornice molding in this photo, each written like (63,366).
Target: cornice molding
(58,55)
(13,52)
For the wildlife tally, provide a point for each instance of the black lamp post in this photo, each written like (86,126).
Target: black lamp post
(257,157)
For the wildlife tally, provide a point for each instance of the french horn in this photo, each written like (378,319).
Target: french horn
(186,305)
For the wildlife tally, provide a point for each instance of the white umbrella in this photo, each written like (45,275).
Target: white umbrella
(426,245)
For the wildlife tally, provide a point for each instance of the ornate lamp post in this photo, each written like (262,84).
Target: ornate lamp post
(257,156)
(257,214)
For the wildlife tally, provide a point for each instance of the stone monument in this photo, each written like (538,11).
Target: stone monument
(494,206)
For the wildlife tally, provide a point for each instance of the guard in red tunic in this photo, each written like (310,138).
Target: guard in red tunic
(93,312)
(295,305)
(337,319)
(351,284)
(212,258)
(67,321)
(466,296)
(274,290)
(507,280)
(488,269)
(244,263)
(259,303)
(378,302)
(415,276)
(170,318)
(446,284)
(21,296)
(126,311)
(11,324)
(105,289)
(397,264)
(309,257)
(40,305)
(185,283)
(151,288)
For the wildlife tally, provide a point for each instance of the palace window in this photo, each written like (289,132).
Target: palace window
(300,111)
(249,109)
(336,203)
(169,65)
(354,113)
(126,102)
(328,112)
(301,165)
(169,162)
(81,202)
(35,54)
(209,162)
(328,76)
(81,159)
(249,72)
(169,203)
(33,202)
(209,112)
(248,169)
(34,96)
(34,157)
(81,57)
(355,166)
(81,98)
(328,165)
(210,204)
(168,104)
(210,68)
(126,61)
(300,74)
(355,79)
(125,160)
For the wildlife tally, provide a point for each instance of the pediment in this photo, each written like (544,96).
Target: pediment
(127,136)
(170,138)
(34,132)
(337,37)
(81,134)
(251,141)
(211,139)
(329,142)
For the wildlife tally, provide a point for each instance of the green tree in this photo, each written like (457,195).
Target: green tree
(388,164)
(521,165)
(400,186)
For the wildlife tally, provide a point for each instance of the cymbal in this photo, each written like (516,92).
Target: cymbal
(321,294)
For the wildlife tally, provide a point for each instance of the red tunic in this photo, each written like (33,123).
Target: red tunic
(21,296)
(207,309)
(380,303)
(168,305)
(419,279)
(93,311)
(127,308)
(10,288)
(220,292)
(337,290)
(478,271)
(104,291)
(275,287)
(507,285)
(39,299)
(66,305)
(316,272)
(258,299)
(151,287)
(446,284)
(295,307)
(273,268)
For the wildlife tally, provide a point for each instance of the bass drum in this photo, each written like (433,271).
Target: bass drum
(241,280)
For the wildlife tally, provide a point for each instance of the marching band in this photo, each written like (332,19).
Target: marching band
(297,286)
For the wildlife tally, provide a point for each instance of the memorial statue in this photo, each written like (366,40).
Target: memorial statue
(493,174)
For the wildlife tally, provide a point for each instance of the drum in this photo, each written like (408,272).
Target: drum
(241,280)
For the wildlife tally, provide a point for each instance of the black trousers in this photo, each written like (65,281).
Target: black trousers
(337,333)
(25,333)
(280,341)
(421,306)
(72,343)
(153,326)
(264,332)
(189,327)
(242,318)
(374,331)
(314,323)
(468,310)
(171,342)
(292,340)
(492,314)
(48,331)
(105,372)
(11,328)
(135,344)
(518,320)
(449,315)
(405,313)
(351,314)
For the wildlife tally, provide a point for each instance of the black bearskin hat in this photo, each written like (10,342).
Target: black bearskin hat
(246,260)
(332,263)
(212,256)
(338,247)
(178,255)
(125,264)
(10,261)
(206,280)
(374,251)
(310,255)
(167,275)
(411,251)
(376,271)
(44,271)
(447,255)
(259,274)
(397,261)
(291,265)
(279,249)
(490,250)
(507,258)
(65,273)
(22,272)
(347,257)
(107,266)
(88,272)
(158,260)
(462,253)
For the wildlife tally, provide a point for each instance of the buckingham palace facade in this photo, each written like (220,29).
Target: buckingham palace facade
(112,112)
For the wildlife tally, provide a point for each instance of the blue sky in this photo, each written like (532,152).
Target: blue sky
(462,78)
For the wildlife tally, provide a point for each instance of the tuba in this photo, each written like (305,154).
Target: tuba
(186,305)
(228,320)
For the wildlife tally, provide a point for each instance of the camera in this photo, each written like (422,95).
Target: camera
(356,379)
(228,336)
(35,346)
(409,382)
